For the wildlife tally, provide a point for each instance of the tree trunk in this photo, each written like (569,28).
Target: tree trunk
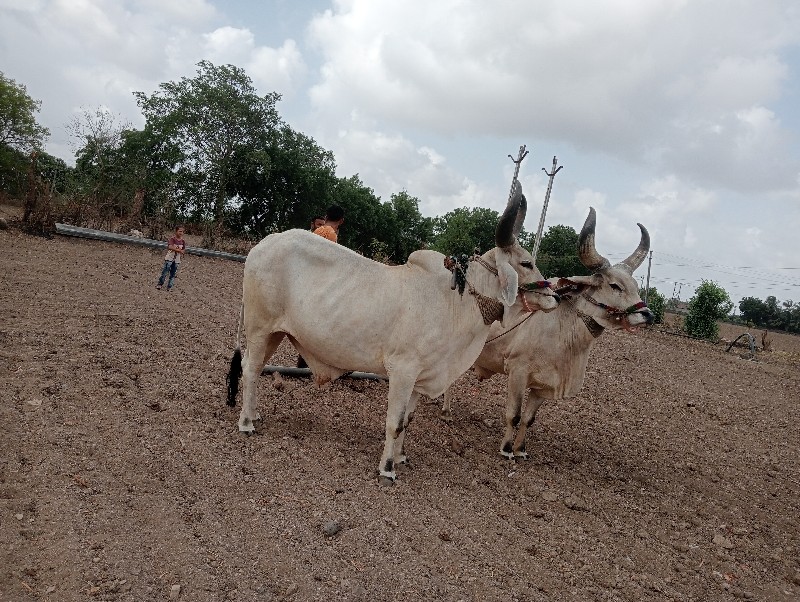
(32,194)
(135,216)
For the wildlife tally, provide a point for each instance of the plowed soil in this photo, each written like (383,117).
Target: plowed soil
(674,475)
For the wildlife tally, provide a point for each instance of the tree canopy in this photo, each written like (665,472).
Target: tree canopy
(18,126)
(464,230)
(222,127)
(558,253)
(770,313)
(20,134)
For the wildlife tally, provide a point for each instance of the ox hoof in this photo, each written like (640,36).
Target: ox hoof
(507,455)
(246,426)
(446,416)
(386,479)
(521,455)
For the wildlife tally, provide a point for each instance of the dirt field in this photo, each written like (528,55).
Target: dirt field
(675,475)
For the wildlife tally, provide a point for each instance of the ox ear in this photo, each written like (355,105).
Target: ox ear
(509,281)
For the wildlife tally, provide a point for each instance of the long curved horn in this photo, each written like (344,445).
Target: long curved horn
(504,234)
(587,252)
(521,211)
(637,257)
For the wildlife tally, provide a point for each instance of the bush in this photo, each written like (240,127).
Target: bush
(709,304)
(656,302)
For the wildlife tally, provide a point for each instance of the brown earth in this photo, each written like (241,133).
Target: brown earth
(673,476)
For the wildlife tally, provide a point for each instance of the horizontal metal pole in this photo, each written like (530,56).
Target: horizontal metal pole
(307,372)
(69,230)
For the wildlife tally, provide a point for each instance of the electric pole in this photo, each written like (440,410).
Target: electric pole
(552,175)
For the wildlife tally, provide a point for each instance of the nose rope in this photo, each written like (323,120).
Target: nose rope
(531,287)
(615,311)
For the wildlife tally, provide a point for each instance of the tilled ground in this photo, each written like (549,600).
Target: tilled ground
(674,475)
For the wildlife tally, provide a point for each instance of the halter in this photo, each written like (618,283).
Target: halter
(592,325)
(491,309)
(614,311)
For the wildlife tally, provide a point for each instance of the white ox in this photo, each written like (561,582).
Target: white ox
(405,322)
(547,354)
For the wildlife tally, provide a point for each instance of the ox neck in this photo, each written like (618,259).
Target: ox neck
(490,308)
(592,325)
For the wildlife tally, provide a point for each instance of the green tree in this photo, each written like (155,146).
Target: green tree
(656,302)
(146,170)
(20,135)
(753,310)
(407,230)
(100,178)
(281,185)
(218,121)
(366,220)
(464,230)
(18,127)
(709,304)
(558,253)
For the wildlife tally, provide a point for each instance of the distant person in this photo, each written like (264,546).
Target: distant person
(317,222)
(176,247)
(334,218)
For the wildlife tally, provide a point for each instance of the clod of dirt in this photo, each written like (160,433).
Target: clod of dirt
(174,592)
(575,503)
(331,528)
(722,541)
(457,446)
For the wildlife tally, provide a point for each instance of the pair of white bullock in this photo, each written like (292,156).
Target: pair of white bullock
(424,323)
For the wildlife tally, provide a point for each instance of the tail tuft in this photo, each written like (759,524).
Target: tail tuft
(234,374)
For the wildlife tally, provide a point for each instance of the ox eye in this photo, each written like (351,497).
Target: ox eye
(527,264)
(616,287)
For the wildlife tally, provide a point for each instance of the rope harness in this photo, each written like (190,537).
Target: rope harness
(593,326)
(491,309)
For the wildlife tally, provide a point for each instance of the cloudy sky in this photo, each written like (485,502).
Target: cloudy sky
(679,114)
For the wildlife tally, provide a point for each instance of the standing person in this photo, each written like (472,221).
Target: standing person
(334,218)
(176,247)
(317,222)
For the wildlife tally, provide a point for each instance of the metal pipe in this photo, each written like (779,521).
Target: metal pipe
(77,231)
(302,372)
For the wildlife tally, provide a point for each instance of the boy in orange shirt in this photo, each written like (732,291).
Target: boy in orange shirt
(333,219)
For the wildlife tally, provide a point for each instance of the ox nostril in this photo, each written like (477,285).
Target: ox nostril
(648,316)
(557,297)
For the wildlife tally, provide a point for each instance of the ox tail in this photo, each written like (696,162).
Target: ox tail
(235,370)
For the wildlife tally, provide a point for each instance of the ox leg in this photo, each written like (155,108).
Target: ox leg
(259,350)
(400,444)
(517,384)
(400,391)
(445,414)
(528,416)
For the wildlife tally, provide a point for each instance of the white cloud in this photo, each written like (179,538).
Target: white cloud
(640,81)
